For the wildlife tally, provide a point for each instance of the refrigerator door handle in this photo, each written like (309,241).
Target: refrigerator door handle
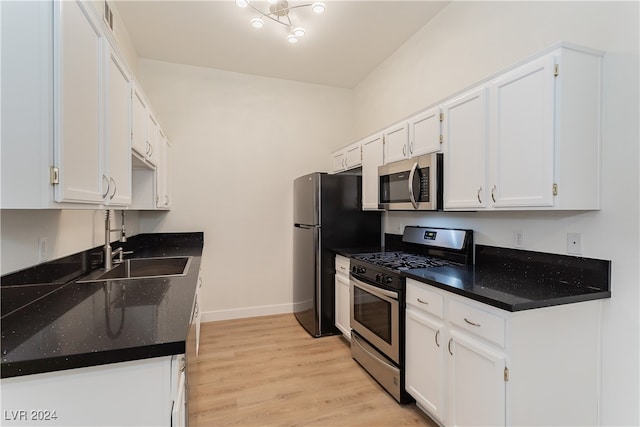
(306,227)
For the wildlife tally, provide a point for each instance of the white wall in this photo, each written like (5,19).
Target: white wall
(467,42)
(66,232)
(238,142)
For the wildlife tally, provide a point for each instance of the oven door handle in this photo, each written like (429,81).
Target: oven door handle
(410,182)
(374,289)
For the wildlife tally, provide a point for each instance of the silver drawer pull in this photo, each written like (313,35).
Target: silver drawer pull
(471,323)
(437,333)
(422,302)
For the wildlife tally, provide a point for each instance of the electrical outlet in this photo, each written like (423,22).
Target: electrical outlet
(574,243)
(43,248)
(518,239)
(400,229)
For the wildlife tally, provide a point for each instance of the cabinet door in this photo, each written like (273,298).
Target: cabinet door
(162,197)
(522,135)
(139,122)
(424,133)
(477,390)
(396,142)
(353,156)
(465,138)
(342,305)
(118,133)
(152,139)
(339,161)
(79,99)
(372,157)
(425,372)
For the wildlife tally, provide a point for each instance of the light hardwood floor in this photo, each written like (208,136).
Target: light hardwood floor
(268,371)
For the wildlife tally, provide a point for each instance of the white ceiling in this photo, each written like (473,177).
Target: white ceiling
(340,47)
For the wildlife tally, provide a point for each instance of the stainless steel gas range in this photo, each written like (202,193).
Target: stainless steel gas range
(378,298)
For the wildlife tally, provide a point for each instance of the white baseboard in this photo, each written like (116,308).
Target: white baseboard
(241,313)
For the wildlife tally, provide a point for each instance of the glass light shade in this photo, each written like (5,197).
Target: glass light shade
(242,3)
(291,38)
(298,31)
(318,7)
(257,23)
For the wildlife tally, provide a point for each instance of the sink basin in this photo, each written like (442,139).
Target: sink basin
(144,268)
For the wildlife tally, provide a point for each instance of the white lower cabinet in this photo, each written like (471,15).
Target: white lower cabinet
(137,393)
(469,363)
(425,362)
(342,297)
(179,391)
(476,382)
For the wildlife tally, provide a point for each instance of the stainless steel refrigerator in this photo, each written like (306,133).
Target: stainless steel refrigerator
(327,215)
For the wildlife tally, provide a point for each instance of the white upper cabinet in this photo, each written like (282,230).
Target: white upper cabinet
(163,172)
(372,157)
(65,109)
(353,155)
(117,162)
(79,101)
(152,139)
(466,144)
(139,117)
(425,133)
(534,143)
(339,161)
(347,158)
(522,135)
(396,143)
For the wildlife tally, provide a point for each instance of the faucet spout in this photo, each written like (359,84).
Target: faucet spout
(107,250)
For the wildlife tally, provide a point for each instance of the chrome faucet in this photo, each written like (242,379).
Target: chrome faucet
(108,253)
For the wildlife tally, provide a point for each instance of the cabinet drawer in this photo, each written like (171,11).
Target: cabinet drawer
(342,265)
(479,322)
(425,299)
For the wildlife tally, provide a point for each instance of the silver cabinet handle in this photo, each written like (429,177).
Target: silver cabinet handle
(148,148)
(437,333)
(411,196)
(422,302)
(104,177)
(166,200)
(115,188)
(449,346)
(411,147)
(493,194)
(479,191)
(471,323)
(404,150)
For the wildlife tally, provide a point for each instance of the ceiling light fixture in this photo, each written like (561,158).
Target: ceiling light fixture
(279,12)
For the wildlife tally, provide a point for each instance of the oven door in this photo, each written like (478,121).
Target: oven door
(375,315)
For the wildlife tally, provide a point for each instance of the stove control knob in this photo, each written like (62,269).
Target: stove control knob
(354,269)
(378,277)
(388,280)
(361,270)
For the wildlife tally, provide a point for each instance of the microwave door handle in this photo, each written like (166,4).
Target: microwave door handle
(411,195)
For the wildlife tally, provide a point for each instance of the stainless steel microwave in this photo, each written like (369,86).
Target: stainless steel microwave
(412,185)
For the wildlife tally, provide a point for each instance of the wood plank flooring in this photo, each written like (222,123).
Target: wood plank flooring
(268,371)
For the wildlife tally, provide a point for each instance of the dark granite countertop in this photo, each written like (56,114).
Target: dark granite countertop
(50,322)
(515,280)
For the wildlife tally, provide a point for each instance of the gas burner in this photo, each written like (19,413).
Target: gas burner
(401,261)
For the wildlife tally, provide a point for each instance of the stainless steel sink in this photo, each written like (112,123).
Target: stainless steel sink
(143,268)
